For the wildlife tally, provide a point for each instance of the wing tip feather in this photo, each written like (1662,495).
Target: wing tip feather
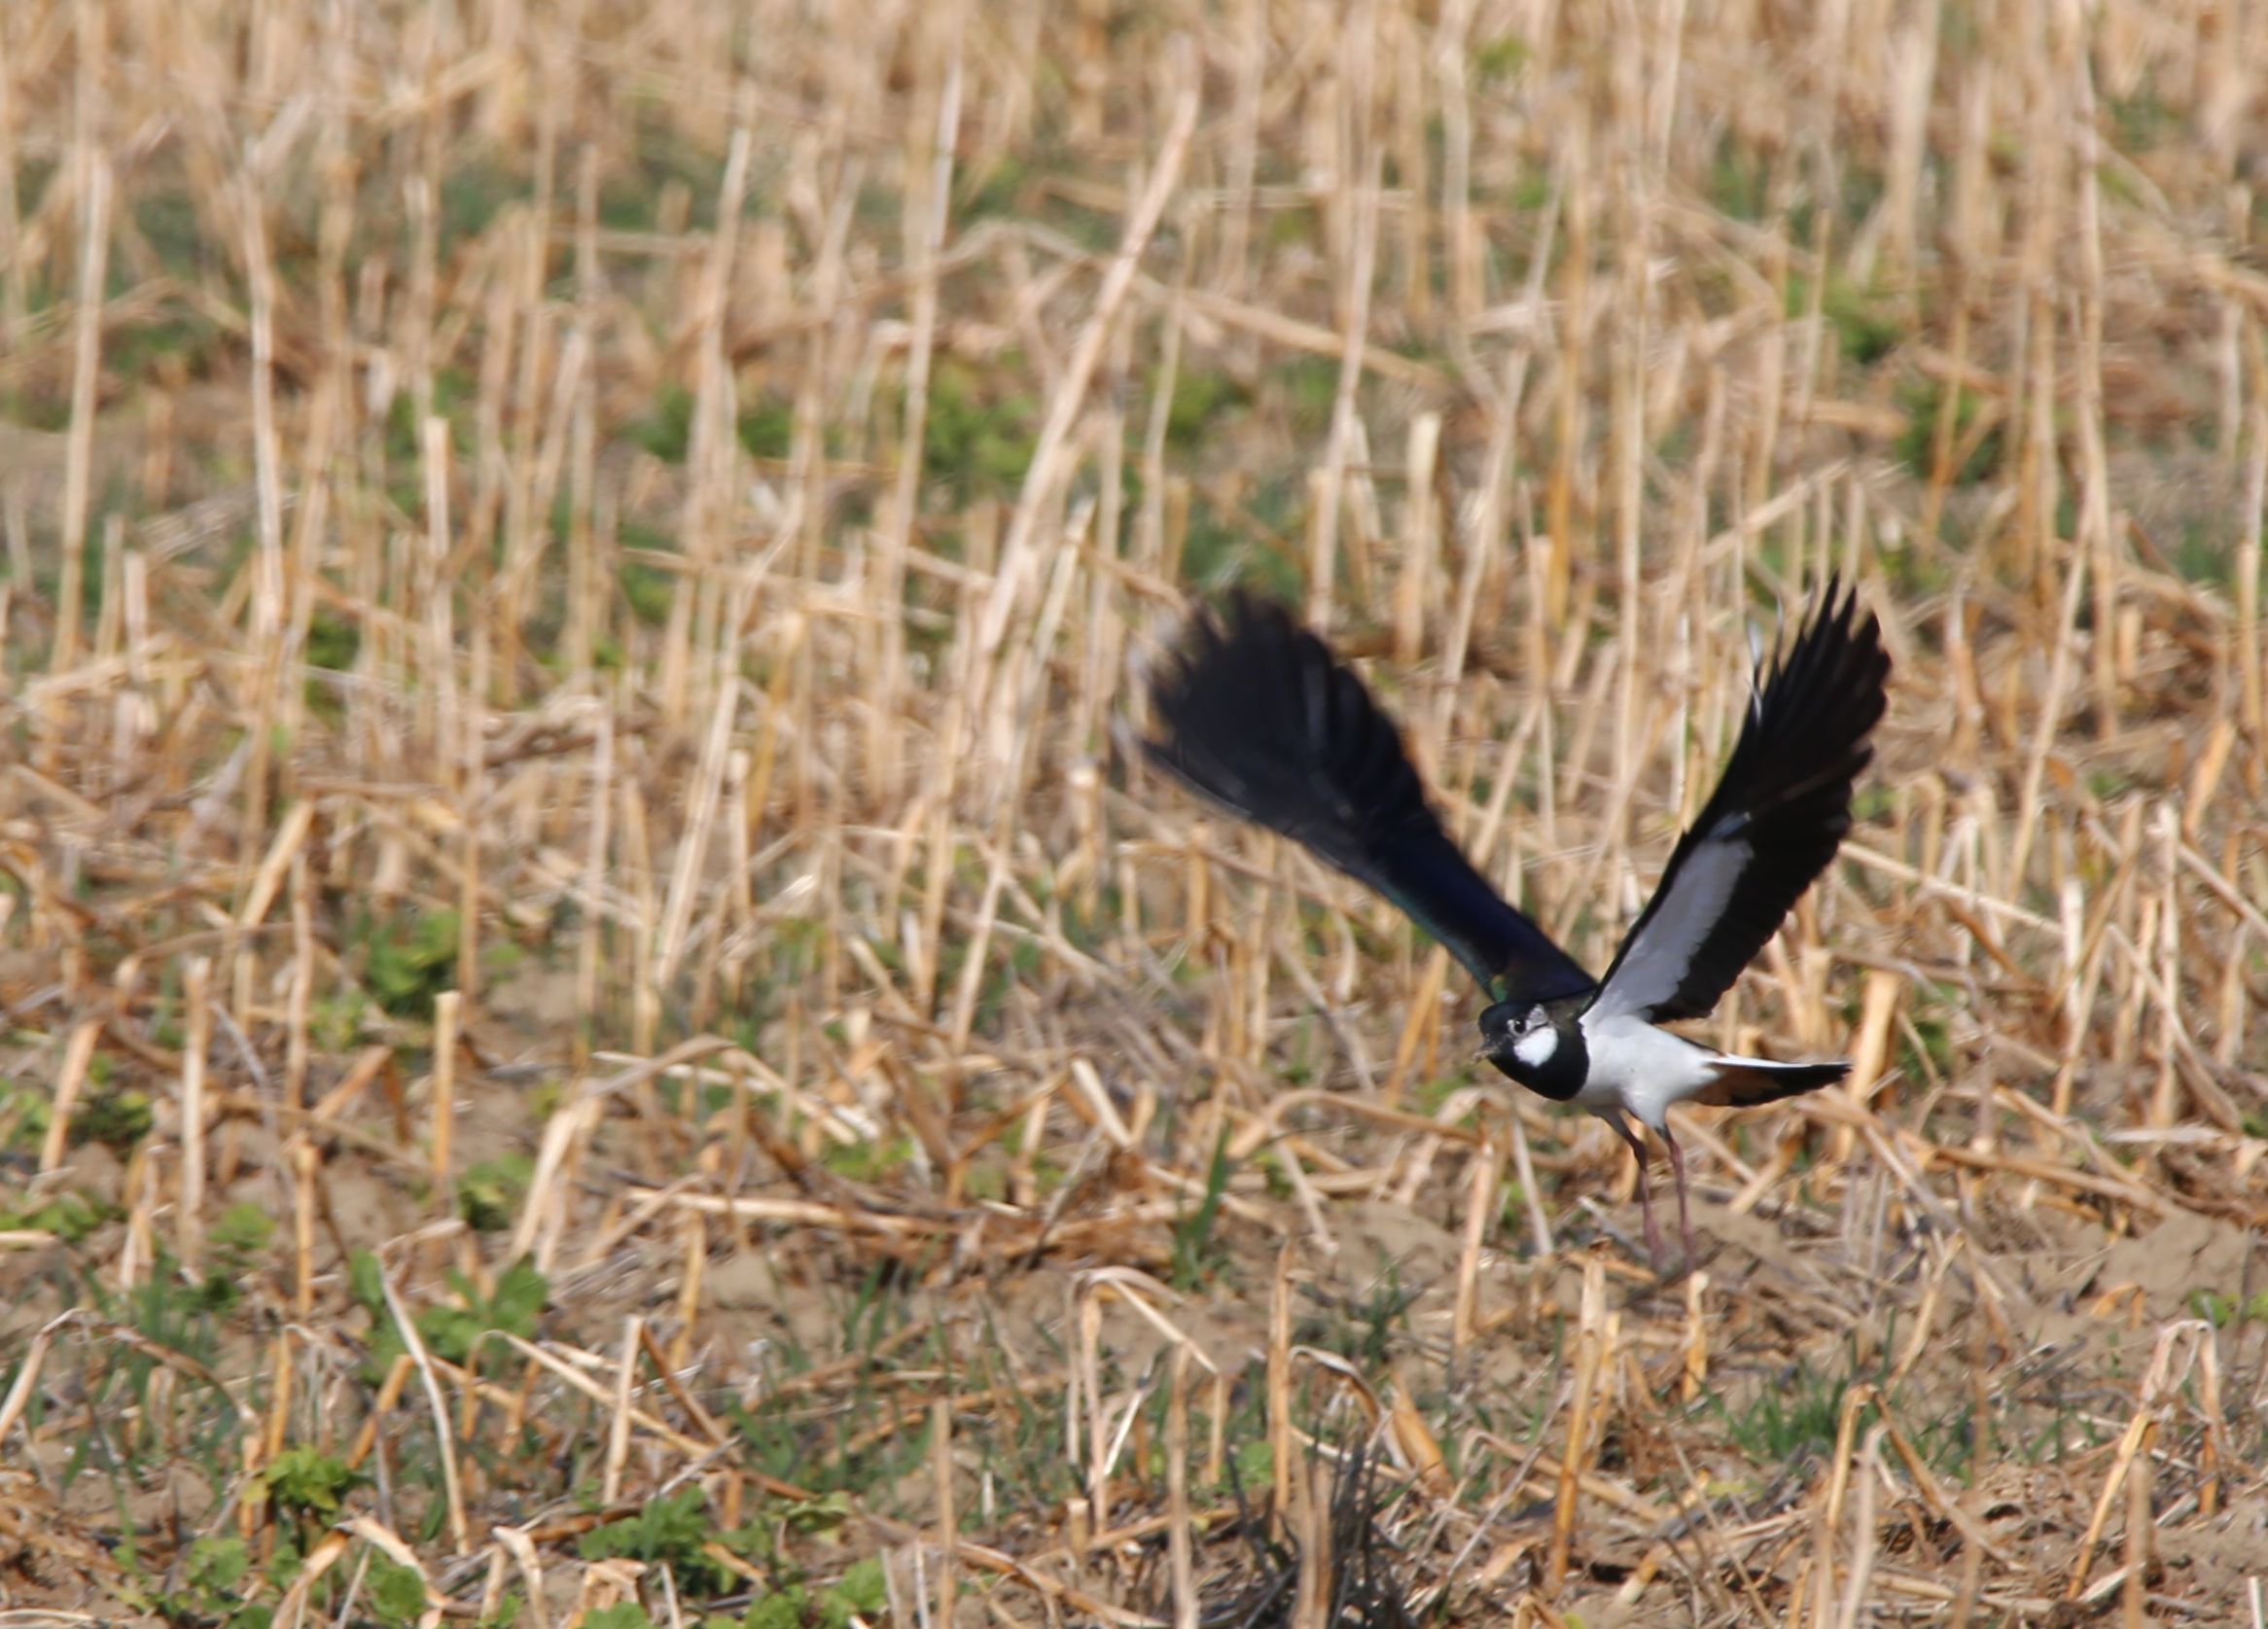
(1258,713)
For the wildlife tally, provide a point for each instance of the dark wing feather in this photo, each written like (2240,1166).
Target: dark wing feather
(1772,825)
(1258,715)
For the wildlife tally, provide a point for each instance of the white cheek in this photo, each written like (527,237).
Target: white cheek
(1535,1048)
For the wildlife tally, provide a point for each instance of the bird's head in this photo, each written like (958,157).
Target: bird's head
(1539,1048)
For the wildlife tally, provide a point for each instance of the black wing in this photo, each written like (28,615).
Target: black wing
(1259,716)
(1772,825)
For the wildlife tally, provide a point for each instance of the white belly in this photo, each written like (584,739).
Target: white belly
(1637,1066)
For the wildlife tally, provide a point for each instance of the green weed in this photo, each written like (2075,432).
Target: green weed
(1197,1254)
(70,1216)
(1201,397)
(490,1192)
(451,1332)
(1866,324)
(667,430)
(978,439)
(666,1531)
(397,1593)
(1916,443)
(215,1575)
(410,956)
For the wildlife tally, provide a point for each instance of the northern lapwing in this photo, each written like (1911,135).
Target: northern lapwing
(1258,714)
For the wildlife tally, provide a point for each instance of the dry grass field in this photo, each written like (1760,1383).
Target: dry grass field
(605,1027)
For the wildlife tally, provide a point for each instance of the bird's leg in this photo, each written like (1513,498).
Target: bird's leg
(1678,1170)
(1654,1235)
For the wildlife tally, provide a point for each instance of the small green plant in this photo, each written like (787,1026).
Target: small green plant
(2220,1310)
(240,1235)
(70,1216)
(409,957)
(673,1532)
(1216,556)
(1784,1421)
(977,439)
(1200,399)
(452,1333)
(454,391)
(2206,553)
(244,1230)
(623,1615)
(193,1422)
(1362,1328)
(25,1116)
(333,642)
(216,1576)
(1196,1253)
(667,430)
(833,1455)
(397,1593)
(1500,57)
(863,1592)
(489,1193)
(867,1162)
(116,1118)
(1311,389)
(1512,1209)
(1933,1028)
(648,591)
(1739,182)
(995,190)
(1430,1095)
(306,1482)
(190,342)
(217,1564)
(1865,325)
(336,1018)
(1917,442)
(474,192)
(768,430)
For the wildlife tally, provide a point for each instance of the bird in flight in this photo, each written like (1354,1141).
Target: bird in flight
(1258,715)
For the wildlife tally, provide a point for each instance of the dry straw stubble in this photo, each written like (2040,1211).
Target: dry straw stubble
(576,578)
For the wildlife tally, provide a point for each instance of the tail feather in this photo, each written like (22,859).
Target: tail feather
(1746,1082)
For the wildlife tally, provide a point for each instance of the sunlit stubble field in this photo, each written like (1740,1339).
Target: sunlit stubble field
(603,1025)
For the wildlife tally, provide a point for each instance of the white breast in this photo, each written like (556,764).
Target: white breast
(1637,1066)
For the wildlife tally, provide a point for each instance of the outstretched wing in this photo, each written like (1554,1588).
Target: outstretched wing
(1770,828)
(1258,715)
